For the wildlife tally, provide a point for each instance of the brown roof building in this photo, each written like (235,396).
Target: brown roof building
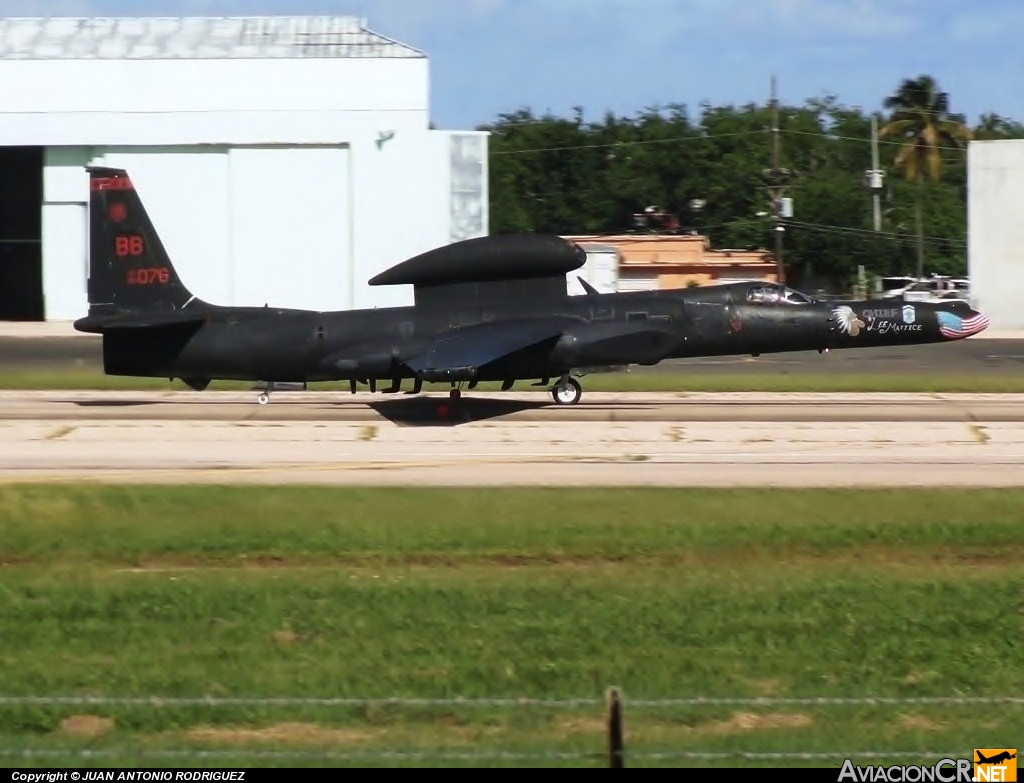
(650,261)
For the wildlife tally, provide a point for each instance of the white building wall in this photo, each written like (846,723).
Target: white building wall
(64,232)
(291,226)
(288,181)
(186,192)
(250,225)
(401,209)
(226,101)
(302,226)
(408,202)
(995,221)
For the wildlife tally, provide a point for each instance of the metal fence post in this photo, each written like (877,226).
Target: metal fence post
(616,752)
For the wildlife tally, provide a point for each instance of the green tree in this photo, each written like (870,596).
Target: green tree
(992,126)
(576,175)
(921,121)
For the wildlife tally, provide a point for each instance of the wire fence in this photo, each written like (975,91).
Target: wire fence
(612,703)
(485,702)
(441,755)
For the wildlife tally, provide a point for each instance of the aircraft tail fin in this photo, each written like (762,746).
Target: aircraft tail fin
(129,270)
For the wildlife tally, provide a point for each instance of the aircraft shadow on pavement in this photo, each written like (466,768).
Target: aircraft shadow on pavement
(435,412)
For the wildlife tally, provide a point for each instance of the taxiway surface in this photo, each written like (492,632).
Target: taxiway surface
(690,439)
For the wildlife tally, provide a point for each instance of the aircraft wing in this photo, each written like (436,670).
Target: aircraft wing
(458,353)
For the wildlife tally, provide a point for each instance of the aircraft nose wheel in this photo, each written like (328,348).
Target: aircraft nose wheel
(567,392)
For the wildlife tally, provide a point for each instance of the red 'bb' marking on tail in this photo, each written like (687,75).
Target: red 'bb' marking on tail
(111,183)
(128,245)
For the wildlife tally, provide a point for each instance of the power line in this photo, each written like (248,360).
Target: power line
(870,232)
(840,231)
(707,136)
(821,227)
(697,120)
(827,135)
(687,231)
(823,134)
(670,140)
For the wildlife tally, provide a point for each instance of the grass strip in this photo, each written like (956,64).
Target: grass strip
(541,593)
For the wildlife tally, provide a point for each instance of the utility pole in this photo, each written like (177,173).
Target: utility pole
(875,176)
(778,179)
(874,179)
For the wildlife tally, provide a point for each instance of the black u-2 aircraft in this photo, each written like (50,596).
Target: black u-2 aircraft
(494,308)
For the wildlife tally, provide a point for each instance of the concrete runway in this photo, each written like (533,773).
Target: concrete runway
(686,439)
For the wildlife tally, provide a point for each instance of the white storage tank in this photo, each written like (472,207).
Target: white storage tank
(601,270)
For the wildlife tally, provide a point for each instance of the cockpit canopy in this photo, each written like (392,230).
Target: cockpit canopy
(773,293)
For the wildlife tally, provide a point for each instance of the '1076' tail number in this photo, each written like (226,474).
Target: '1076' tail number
(149,275)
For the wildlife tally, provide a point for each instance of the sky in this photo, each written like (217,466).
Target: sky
(490,57)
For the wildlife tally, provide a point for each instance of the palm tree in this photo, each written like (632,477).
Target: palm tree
(921,121)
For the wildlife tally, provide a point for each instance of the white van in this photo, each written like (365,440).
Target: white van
(932,289)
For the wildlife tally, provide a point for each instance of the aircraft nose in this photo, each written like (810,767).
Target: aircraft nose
(955,326)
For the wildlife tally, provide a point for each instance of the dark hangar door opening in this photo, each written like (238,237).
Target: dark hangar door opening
(21,234)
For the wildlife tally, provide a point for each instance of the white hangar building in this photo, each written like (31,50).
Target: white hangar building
(283,160)
(995,230)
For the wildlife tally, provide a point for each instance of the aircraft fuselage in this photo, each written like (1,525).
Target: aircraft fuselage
(284,345)
(491,308)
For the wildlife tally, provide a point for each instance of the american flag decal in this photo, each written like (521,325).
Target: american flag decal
(954,327)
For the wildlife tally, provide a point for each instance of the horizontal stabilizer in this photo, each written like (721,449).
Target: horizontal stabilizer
(98,324)
(460,353)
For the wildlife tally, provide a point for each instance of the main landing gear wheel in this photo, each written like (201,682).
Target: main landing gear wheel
(455,394)
(264,397)
(567,392)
